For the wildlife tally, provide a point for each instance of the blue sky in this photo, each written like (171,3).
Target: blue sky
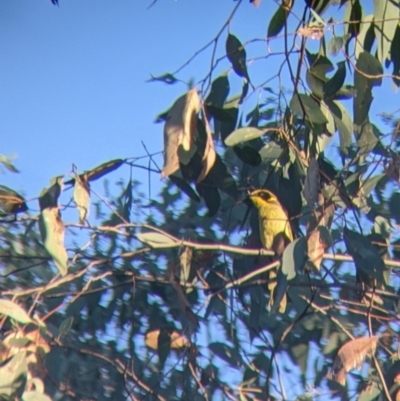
(73,78)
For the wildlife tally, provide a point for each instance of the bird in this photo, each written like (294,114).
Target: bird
(273,220)
(275,234)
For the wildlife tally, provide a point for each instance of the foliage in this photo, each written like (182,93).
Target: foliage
(167,299)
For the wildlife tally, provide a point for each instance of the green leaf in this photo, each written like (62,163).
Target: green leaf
(293,258)
(335,45)
(367,138)
(155,239)
(6,162)
(317,17)
(226,353)
(366,37)
(245,90)
(270,152)
(65,326)
(315,83)
(247,155)
(82,197)
(13,373)
(219,91)
(48,198)
(331,87)
(11,202)
(52,233)
(236,55)
(35,396)
(353,13)
(211,198)
(243,135)
(343,123)
(387,18)
(277,22)
(395,57)
(303,103)
(184,187)
(366,257)
(220,114)
(163,346)
(166,78)
(14,311)
(394,207)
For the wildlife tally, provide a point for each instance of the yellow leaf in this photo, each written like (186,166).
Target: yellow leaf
(52,233)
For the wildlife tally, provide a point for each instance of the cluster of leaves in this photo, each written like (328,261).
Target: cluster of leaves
(157,303)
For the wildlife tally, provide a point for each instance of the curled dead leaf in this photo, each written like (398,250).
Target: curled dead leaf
(209,155)
(312,32)
(352,355)
(179,130)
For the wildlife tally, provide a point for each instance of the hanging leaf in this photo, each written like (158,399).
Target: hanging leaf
(65,326)
(303,106)
(247,155)
(351,356)
(277,22)
(312,184)
(13,373)
(35,395)
(179,131)
(335,45)
(11,202)
(184,187)
(48,198)
(219,91)
(82,197)
(243,135)
(209,155)
(155,240)
(52,234)
(318,241)
(343,123)
(293,258)
(211,198)
(333,86)
(14,311)
(366,37)
(237,56)
(387,18)
(366,258)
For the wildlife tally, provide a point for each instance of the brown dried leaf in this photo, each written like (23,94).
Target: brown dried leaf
(312,184)
(393,169)
(210,155)
(316,248)
(351,355)
(179,129)
(313,32)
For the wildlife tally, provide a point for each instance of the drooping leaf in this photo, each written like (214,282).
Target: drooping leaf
(178,132)
(35,396)
(236,54)
(368,74)
(247,155)
(293,258)
(385,23)
(49,196)
(318,241)
(333,86)
(366,37)
(11,202)
(367,138)
(305,107)
(13,373)
(209,154)
(66,325)
(312,184)
(343,123)
(277,22)
(14,311)
(243,135)
(52,234)
(352,355)
(82,197)
(184,187)
(335,45)
(353,14)
(365,256)
(219,91)
(211,198)
(270,152)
